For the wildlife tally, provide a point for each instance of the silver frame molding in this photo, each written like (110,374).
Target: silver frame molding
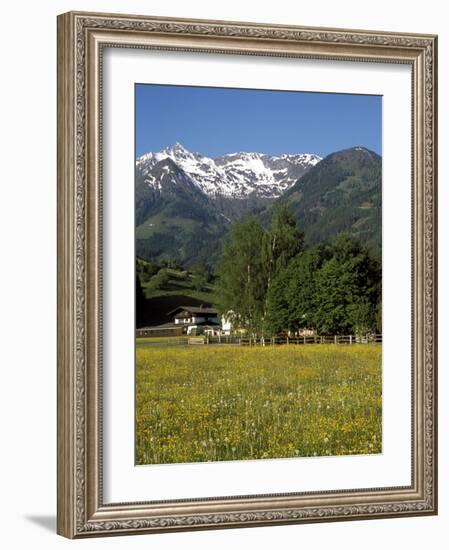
(81,38)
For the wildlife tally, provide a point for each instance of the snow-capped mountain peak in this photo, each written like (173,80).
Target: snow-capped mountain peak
(176,151)
(234,175)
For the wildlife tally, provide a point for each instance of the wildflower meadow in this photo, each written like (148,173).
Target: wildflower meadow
(211,403)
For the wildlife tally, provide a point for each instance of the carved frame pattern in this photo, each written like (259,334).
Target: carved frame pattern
(81,37)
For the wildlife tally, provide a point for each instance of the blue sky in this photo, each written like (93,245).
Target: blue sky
(215,121)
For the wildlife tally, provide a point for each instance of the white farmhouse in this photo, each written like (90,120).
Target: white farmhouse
(227,324)
(197,318)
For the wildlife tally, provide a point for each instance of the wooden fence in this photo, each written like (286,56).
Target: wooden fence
(152,332)
(295,340)
(246,341)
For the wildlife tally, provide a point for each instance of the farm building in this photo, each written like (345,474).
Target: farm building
(193,315)
(197,319)
(227,323)
(187,320)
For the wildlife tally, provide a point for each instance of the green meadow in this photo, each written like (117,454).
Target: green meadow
(226,402)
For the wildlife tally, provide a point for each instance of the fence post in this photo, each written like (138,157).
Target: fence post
(350,338)
(335,339)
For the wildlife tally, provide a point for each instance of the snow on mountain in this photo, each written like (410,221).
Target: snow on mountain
(235,175)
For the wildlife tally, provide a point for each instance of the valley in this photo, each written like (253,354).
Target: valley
(186,202)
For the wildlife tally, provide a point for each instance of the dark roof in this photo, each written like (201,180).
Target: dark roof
(181,325)
(194,309)
(163,326)
(182,314)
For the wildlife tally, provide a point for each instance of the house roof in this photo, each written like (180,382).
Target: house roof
(179,326)
(163,326)
(194,309)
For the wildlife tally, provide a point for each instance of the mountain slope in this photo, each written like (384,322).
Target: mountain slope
(174,220)
(236,175)
(185,201)
(341,193)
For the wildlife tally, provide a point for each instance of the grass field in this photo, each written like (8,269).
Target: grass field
(177,290)
(211,403)
(179,283)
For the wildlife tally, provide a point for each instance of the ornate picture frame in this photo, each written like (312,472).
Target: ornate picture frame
(82,38)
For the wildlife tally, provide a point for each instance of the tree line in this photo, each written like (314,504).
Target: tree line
(271,283)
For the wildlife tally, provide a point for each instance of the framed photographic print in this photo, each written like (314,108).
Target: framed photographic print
(246,276)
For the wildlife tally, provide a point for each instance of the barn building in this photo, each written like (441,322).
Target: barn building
(196,319)
(186,320)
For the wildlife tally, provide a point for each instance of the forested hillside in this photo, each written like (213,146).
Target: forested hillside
(184,210)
